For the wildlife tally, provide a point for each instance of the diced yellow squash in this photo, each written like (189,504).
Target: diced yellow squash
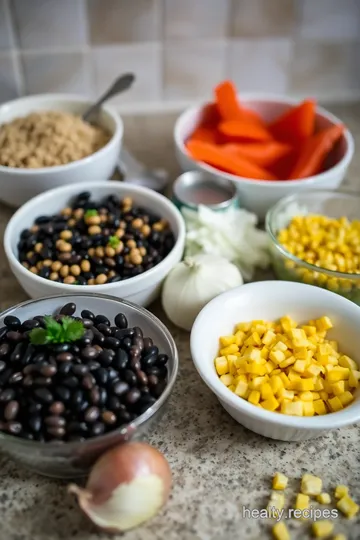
(242,389)
(243,326)
(221,365)
(256,383)
(280,531)
(230,349)
(286,394)
(338,374)
(346,361)
(284,379)
(322,528)
(323,498)
(311,485)
(315,395)
(318,384)
(227,379)
(354,378)
(270,366)
(341,491)
(227,340)
(302,501)
(287,323)
(300,366)
(299,337)
(346,398)
(308,408)
(276,383)
(280,481)
(287,362)
(293,376)
(338,388)
(265,353)
(276,501)
(309,330)
(324,395)
(319,407)
(347,506)
(277,357)
(294,408)
(312,371)
(266,391)
(303,385)
(232,387)
(324,323)
(268,338)
(239,378)
(270,404)
(239,338)
(335,404)
(254,397)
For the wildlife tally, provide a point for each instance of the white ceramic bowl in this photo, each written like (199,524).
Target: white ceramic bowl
(141,289)
(259,195)
(270,300)
(19,185)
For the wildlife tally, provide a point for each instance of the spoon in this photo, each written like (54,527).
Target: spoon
(121,84)
(132,170)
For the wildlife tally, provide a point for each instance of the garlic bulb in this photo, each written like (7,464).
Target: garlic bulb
(193,282)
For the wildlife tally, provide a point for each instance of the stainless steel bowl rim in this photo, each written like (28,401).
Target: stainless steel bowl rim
(140,420)
(292,198)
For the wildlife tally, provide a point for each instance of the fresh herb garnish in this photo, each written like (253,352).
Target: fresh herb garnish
(114,241)
(65,331)
(90,213)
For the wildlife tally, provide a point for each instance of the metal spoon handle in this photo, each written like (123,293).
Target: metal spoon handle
(121,84)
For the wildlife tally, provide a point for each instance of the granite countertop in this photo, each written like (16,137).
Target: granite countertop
(219,467)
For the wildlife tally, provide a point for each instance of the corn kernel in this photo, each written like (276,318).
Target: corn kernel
(315,395)
(311,485)
(254,397)
(302,501)
(323,498)
(324,395)
(323,528)
(221,365)
(341,491)
(347,506)
(232,387)
(276,501)
(227,379)
(280,481)
(280,531)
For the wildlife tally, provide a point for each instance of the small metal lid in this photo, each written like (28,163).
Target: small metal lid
(196,187)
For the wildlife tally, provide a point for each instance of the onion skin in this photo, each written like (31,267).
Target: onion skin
(127,486)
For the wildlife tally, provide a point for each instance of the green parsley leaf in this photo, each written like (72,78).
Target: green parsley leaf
(38,336)
(53,329)
(74,331)
(114,241)
(90,213)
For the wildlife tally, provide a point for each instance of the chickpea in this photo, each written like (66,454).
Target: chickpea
(94,229)
(64,270)
(75,270)
(85,266)
(101,279)
(78,213)
(29,254)
(131,244)
(54,276)
(110,251)
(103,218)
(93,220)
(66,235)
(142,251)
(119,233)
(38,247)
(34,228)
(66,212)
(34,270)
(99,251)
(65,247)
(137,223)
(69,280)
(158,226)
(111,274)
(56,265)
(135,257)
(91,281)
(145,230)
(39,265)
(127,201)
(26,265)
(47,262)
(119,248)
(72,222)
(91,252)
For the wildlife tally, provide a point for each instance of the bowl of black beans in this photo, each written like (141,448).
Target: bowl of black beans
(79,375)
(114,238)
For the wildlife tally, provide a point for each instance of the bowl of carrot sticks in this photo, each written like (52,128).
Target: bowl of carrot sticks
(269,146)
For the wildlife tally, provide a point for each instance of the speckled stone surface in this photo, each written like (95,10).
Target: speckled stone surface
(219,467)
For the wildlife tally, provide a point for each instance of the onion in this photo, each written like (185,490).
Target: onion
(127,486)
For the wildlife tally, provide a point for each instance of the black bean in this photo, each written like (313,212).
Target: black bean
(87,323)
(99,338)
(158,389)
(39,358)
(4,376)
(55,421)
(69,309)
(112,374)
(80,369)
(70,382)
(64,357)
(4,350)
(27,355)
(152,380)
(44,395)
(14,336)
(101,319)
(28,381)
(121,321)
(101,376)
(114,403)
(16,377)
(120,388)
(46,253)
(132,396)
(44,272)
(135,363)
(124,417)
(111,343)
(17,352)
(138,332)
(11,410)
(104,329)
(86,338)
(114,279)
(130,377)
(14,428)
(62,393)
(57,432)
(102,396)
(127,343)
(143,405)
(48,371)
(87,382)
(64,368)
(97,429)
(108,417)
(95,395)
(91,414)
(120,360)
(92,365)
(106,357)
(34,423)
(62,347)
(40,319)
(77,427)
(12,322)
(89,353)
(123,333)
(142,378)
(148,342)
(77,398)
(135,351)
(153,370)
(7,395)
(57,408)
(42,219)
(30,324)
(3,331)
(2,365)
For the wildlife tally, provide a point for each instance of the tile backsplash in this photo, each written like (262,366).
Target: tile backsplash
(179,49)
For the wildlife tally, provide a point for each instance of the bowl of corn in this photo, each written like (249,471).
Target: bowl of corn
(283,358)
(315,239)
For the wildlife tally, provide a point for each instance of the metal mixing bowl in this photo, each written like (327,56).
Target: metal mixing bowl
(68,460)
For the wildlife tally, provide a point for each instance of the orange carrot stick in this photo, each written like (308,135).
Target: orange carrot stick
(204,134)
(213,155)
(314,152)
(229,107)
(244,130)
(210,116)
(264,154)
(295,124)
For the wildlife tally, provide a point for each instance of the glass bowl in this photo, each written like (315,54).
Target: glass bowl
(71,459)
(333,204)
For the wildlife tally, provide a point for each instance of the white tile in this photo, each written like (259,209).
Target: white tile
(325,69)
(56,72)
(49,24)
(260,64)
(8,85)
(6,31)
(196,19)
(330,20)
(262,18)
(144,60)
(193,68)
(124,21)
